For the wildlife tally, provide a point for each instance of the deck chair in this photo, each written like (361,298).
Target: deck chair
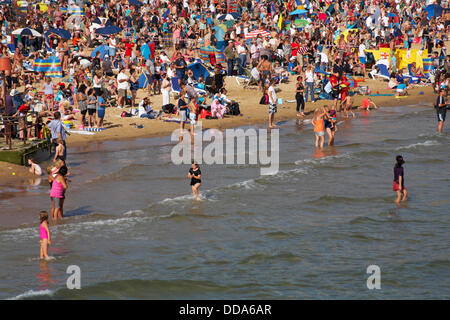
(175,85)
(246,80)
(413,79)
(384,73)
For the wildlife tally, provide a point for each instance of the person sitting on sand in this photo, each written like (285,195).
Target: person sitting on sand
(401,90)
(393,83)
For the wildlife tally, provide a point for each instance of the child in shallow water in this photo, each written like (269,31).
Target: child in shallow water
(399,180)
(319,127)
(44,232)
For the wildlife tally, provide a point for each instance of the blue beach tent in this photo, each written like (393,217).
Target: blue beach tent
(199,69)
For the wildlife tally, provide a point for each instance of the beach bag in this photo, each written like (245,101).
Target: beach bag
(264,99)
(234,109)
(168,108)
(204,114)
(125,114)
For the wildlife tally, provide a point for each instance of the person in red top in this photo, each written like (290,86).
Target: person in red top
(22,112)
(128,47)
(335,88)
(295,47)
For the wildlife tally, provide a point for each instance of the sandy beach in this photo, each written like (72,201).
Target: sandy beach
(252,112)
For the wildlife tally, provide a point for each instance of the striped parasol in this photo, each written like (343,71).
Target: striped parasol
(255,33)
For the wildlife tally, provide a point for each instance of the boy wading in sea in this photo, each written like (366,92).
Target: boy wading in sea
(44,233)
(196,179)
(399,180)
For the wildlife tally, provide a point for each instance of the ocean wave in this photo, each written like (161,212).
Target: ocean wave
(427,143)
(33,294)
(325,159)
(142,289)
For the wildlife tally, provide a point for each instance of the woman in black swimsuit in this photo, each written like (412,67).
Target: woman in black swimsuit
(196,179)
(299,97)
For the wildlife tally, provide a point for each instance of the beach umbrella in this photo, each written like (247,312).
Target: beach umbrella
(433,10)
(6,2)
(220,31)
(108,30)
(26,32)
(298,12)
(228,16)
(391,15)
(228,23)
(103,49)
(63,33)
(134,3)
(102,21)
(256,33)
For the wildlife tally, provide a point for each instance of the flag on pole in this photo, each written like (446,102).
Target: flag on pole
(280,22)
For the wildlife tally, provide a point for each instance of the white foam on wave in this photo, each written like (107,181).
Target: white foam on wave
(322,160)
(427,143)
(178,199)
(131,212)
(33,293)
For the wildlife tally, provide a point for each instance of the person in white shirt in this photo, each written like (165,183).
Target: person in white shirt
(309,83)
(122,86)
(272,103)
(145,108)
(242,57)
(166,89)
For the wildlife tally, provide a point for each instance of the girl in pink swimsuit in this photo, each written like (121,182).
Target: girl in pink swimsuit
(57,194)
(44,232)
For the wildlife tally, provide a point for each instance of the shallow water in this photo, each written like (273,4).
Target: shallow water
(308,232)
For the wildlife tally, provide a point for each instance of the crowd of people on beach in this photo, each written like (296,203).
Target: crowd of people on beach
(64,64)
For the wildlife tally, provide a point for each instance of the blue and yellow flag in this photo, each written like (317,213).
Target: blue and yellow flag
(51,67)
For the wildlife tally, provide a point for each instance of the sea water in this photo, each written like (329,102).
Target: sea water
(308,232)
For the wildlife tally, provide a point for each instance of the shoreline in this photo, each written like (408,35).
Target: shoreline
(14,173)
(122,130)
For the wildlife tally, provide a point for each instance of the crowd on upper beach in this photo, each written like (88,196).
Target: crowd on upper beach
(80,57)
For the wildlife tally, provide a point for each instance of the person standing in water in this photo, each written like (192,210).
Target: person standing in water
(399,180)
(441,109)
(196,179)
(44,233)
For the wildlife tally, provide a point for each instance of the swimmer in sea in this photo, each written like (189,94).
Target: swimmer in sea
(399,180)
(44,233)
(330,119)
(196,179)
